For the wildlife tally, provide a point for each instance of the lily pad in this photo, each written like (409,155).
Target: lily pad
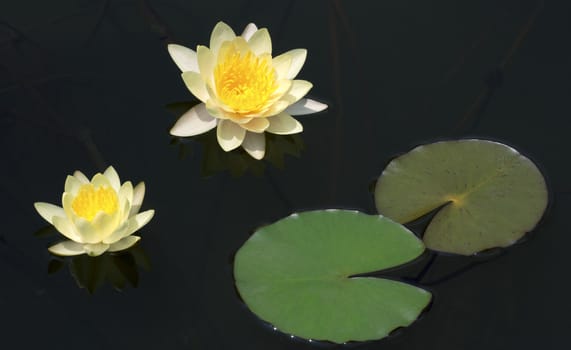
(297,274)
(490,194)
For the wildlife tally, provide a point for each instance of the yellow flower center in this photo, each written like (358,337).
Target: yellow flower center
(90,201)
(244,83)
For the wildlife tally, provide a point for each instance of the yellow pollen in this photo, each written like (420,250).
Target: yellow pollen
(244,83)
(90,201)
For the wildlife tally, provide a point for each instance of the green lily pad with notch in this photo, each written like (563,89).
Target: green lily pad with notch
(490,194)
(296,274)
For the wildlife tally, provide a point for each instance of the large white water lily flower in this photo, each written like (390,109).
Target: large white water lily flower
(244,90)
(98,215)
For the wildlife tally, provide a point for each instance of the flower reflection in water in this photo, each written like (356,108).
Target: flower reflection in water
(239,162)
(118,269)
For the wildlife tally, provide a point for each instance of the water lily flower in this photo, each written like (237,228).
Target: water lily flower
(244,90)
(98,215)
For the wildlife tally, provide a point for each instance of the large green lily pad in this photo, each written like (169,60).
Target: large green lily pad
(296,275)
(490,194)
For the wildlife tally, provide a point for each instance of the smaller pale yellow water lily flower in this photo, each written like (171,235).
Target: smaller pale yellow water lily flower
(98,215)
(244,90)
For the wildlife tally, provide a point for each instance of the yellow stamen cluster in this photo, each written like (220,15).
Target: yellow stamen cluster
(90,200)
(244,82)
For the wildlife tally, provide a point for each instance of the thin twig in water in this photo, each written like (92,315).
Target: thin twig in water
(155,20)
(465,269)
(283,21)
(98,22)
(277,189)
(336,158)
(18,73)
(476,109)
(364,93)
(456,67)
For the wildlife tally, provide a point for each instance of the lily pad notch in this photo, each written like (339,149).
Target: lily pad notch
(489,194)
(296,275)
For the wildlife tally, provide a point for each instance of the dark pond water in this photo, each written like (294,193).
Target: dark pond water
(84,85)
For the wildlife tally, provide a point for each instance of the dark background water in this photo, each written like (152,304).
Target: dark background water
(84,84)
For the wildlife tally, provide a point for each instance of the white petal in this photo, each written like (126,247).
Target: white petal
(48,211)
(184,57)
(276,108)
(138,221)
(125,243)
(95,249)
(255,144)
(65,227)
(194,122)
(284,124)
(260,43)
(67,200)
(126,191)
(239,118)
(72,184)
(206,63)
(284,86)
(85,231)
(81,177)
(250,29)
(100,180)
(119,233)
(221,33)
(138,195)
(104,224)
(230,135)
(113,178)
(305,106)
(297,59)
(257,125)
(299,88)
(123,215)
(125,195)
(281,65)
(67,248)
(213,106)
(195,83)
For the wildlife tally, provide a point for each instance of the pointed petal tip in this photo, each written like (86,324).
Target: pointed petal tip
(230,135)
(195,121)
(124,243)
(306,106)
(255,145)
(80,176)
(48,211)
(67,248)
(249,30)
(284,124)
(261,43)
(172,47)
(257,155)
